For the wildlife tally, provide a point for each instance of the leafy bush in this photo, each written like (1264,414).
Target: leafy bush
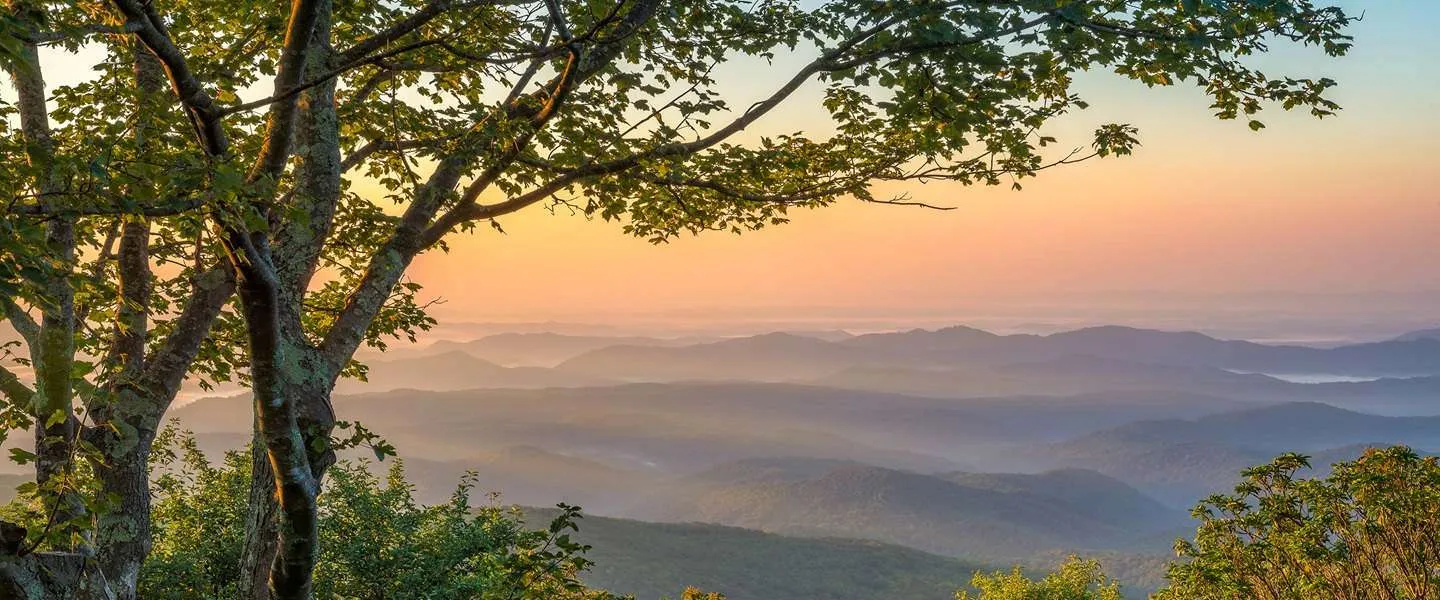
(1371,529)
(1077,579)
(377,542)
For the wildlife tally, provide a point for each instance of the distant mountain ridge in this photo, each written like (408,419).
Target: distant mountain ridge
(779,357)
(766,357)
(1423,334)
(953,362)
(542,349)
(956,514)
(1180,461)
(455,369)
(1298,426)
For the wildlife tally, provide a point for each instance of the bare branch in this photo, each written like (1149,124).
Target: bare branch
(177,207)
(294,91)
(166,366)
(49,37)
(433,9)
(363,153)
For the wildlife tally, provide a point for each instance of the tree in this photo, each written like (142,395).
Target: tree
(1371,529)
(1077,579)
(466,111)
(109,342)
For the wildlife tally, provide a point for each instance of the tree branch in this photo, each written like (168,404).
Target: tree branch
(829,61)
(166,366)
(178,207)
(280,125)
(198,103)
(23,323)
(14,390)
(49,37)
(429,12)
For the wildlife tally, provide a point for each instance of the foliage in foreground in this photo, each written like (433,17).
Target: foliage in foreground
(1371,529)
(1077,579)
(378,543)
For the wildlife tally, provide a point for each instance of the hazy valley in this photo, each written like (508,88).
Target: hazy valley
(956,443)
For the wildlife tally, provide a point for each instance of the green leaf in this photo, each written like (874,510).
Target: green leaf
(21,456)
(56,418)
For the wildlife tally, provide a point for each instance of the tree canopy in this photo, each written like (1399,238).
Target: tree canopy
(1075,579)
(1370,529)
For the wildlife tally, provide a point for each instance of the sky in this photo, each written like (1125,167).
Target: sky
(1206,210)
(1322,217)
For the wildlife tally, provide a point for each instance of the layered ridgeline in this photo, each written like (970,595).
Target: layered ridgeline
(954,362)
(1423,334)
(1176,446)
(1182,460)
(793,357)
(958,442)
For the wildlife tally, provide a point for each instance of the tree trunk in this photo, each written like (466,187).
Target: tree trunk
(316,422)
(51,576)
(261,525)
(297,251)
(54,356)
(122,532)
(126,423)
(46,575)
(273,363)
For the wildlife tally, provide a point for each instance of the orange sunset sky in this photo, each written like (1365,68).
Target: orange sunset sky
(1344,205)
(1206,209)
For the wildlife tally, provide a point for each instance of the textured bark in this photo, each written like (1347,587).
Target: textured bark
(52,350)
(298,247)
(123,533)
(262,519)
(51,576)
(295,485)
(54,362)
(305,383)
(46,575)
(126,425)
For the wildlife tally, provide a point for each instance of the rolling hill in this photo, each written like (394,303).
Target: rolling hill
(1181,461)
(956,514)
(456,370)
(1079,374)
(1298,426)
(679,427)
(655,560)
(1423,334)
(528,475)
(963,345)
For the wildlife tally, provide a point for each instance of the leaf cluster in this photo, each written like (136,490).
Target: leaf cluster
(1371,529)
